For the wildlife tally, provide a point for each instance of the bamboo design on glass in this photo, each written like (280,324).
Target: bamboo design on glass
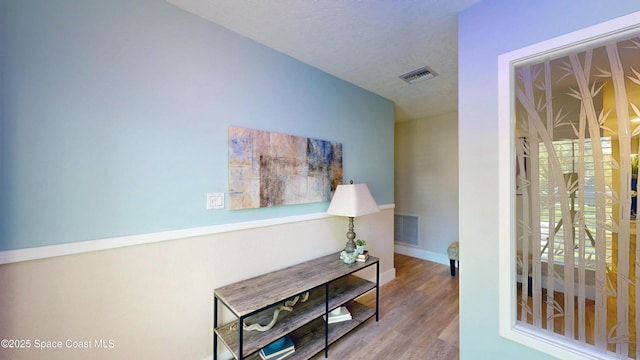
(575,238)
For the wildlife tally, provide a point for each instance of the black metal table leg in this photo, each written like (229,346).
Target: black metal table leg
(326,320)
(240,328)
(377,288)
(215,325)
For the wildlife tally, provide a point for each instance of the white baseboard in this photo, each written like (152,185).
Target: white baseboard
(421,254)
(387,276)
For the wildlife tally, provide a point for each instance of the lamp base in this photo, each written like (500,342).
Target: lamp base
(348,258)
(350,246)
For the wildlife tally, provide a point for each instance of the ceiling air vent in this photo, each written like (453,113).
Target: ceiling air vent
(416,75)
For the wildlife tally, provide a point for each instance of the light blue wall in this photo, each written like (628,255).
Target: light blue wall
(488,29)
(115,117)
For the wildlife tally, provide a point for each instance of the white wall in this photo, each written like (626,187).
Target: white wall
(426,183)
(155,301)
(116,115)
(114,124)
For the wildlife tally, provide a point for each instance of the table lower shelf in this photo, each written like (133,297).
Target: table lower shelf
(309,339)
(341,291)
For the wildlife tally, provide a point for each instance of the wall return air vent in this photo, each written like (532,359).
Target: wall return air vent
(417,75)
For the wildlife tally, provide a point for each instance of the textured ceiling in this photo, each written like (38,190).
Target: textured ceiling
(368,43)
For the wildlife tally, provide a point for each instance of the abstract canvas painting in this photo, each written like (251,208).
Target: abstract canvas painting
(272,169)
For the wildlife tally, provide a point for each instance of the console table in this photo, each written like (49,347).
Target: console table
(330,284)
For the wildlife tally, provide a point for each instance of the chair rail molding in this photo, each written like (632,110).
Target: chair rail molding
(49,251)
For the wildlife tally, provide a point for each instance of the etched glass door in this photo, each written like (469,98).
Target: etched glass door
(577,120)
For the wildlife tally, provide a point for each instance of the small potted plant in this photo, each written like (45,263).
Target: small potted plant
(360,246)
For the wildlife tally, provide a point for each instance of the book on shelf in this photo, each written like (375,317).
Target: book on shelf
(279,356)
(270,352)
(339,314)
(363,257)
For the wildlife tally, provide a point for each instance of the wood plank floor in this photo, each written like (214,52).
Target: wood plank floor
(418,317)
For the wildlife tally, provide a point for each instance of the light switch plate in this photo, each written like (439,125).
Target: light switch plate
(215,201)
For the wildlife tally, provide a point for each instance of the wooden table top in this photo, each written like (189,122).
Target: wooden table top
(247,296)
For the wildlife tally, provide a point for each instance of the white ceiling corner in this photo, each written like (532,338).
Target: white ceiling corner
(367,43)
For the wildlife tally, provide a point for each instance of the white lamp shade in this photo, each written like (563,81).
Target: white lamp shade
(352,200)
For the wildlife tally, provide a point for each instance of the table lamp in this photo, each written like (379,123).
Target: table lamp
(352,200)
